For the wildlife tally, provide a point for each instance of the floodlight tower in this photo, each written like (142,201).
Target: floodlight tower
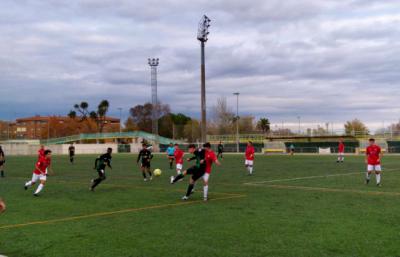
(237,121)
(202,36)
(153,62)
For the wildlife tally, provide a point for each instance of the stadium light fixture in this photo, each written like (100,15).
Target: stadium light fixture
(202,36)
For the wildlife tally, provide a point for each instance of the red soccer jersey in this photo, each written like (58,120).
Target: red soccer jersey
(373,152)
(179,156)
(341,147)
(210,159)
(43,163)
(250,153)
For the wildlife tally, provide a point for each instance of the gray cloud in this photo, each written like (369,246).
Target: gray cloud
(321,60)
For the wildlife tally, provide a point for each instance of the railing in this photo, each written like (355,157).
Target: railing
(117,135)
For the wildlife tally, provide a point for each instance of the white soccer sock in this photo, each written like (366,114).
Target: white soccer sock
(39,188)
(378,178)
(251,169)
(205,191)
(368,176)
(28,184)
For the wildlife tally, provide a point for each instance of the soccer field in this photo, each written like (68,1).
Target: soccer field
(291,206)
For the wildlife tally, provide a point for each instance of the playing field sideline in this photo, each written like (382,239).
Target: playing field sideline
(292,206)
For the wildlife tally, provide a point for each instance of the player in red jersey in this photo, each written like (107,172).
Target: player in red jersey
(249,163)
(2,205)
(40,172)
(340,151)
(40,155)
(210,159)
(178,155)
(373,161)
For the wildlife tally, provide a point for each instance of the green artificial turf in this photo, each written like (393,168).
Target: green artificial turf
(291,206)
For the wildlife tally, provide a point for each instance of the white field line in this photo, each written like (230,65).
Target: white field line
(305,178)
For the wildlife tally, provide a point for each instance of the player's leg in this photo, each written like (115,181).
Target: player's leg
(143,169)
(2,169)
(181,175)
(41,185)
(370,168)
(197,173)
(149,171)
(206,178)
(179,169)
(251,163)
(97,181)
(31,182)
(171,162)
(378,171)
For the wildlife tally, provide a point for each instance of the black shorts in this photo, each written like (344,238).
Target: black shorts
(171,156)
(196,172)
(102,173)
(71,154)
(146,165)
(2,163)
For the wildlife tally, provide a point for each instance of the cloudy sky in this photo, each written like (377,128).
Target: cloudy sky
(322,60)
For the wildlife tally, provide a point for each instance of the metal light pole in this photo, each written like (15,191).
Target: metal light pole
(237,121)
(120,119)
(202,34)
(153,64)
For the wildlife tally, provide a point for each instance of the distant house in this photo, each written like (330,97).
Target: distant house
(35,127)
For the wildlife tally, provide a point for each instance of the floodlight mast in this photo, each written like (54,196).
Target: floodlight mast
(202,36)
(153,62)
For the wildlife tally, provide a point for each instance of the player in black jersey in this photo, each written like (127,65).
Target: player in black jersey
(145,155)
(71,151)
(220,149)
(2,162)
(197,171)
(100,165)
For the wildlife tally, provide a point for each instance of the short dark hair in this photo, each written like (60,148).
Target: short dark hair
(109,150)
(192,146)
(207,145)
(176,145)
(47,152)
(372,140)
(144,145)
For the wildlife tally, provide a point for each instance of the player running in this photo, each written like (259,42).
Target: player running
(249,163)
(71,151)
(197,171)
(340,151)
(178,155)
(210,159)
(373,161)
(220,149)
(145,155)
(2,162)
(170,154)
(100,166)
(40,172)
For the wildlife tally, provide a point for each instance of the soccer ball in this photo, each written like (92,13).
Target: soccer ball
(157,172)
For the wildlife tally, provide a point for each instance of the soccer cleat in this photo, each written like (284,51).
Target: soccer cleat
(25,187)
(145,180)
(378,185)
(366,181)
(91,189)
(185,198)
(205,199)
(151,178)
(172,179)
(36,195)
